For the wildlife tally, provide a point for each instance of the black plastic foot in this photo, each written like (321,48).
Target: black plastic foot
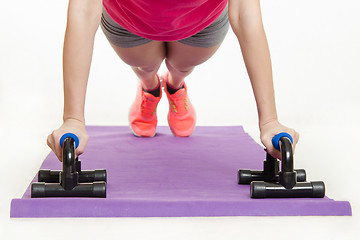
(42,190)
(260,189)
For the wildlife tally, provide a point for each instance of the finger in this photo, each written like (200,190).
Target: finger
(269,148)
(276,154)
(273,152)
(297,137)
(58,149)
(51,143)
(296,140)
(78,152)
(81,148)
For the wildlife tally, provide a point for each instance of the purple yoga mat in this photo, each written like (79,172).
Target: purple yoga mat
(167,176)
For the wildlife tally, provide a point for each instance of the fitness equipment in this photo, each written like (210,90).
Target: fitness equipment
(269,174)
(70,182)
(287,185)
(49,176)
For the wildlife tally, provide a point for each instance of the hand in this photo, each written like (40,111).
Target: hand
(269,130)
(69,126)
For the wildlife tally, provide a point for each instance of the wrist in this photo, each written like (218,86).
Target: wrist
(73,119)
(263,123)
(267,112)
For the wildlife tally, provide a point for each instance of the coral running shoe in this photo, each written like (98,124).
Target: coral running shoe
(181,116)
(142,115)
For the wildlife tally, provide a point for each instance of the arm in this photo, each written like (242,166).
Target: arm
(82,22)
(246,22)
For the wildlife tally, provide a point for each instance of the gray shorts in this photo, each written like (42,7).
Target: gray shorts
(208,37)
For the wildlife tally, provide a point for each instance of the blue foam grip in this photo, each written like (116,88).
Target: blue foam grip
(276,139)
(71,135)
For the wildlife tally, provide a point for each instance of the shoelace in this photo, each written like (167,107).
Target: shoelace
(148,106)
(179,103)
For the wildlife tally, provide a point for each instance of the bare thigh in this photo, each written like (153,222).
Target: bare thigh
(143,56)
(145,60)
(181,59)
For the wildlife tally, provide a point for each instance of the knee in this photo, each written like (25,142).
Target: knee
(148,69)
(182,70)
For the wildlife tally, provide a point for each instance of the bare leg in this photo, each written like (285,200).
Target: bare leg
(181,60)
(145,60)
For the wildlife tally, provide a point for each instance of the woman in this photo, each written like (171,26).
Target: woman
(183,33)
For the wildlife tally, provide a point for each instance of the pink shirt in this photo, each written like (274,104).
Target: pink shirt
(164,20)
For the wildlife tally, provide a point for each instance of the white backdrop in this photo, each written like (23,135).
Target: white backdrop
(315,47)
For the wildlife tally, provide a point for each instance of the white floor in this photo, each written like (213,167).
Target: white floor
(315,55)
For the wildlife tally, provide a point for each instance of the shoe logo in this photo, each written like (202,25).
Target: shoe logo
(150,99)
